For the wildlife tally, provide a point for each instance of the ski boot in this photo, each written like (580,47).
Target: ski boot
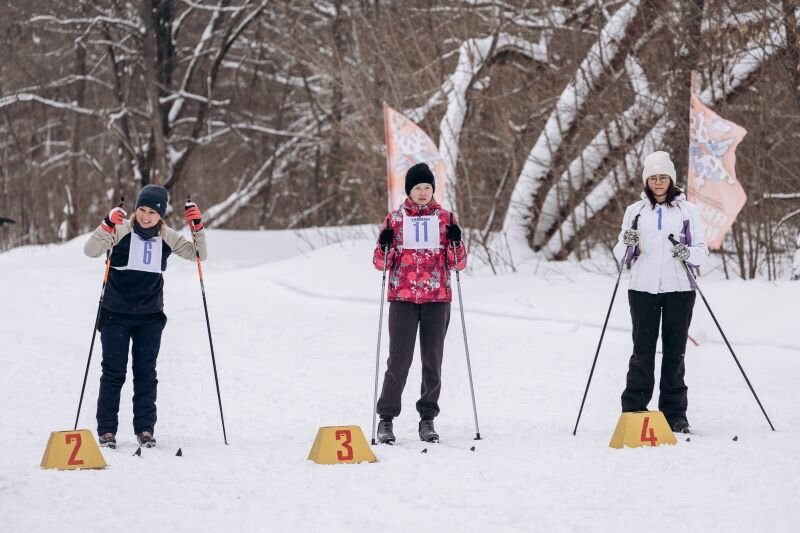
(386,431)
(107,440)
(680,425)
(426,431)
(146,439)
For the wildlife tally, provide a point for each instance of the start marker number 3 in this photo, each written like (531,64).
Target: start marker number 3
(341,444)
(347,437)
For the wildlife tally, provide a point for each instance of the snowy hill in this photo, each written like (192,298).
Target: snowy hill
(294,317)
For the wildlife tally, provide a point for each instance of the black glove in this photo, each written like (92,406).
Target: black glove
(386,238)
(454,234)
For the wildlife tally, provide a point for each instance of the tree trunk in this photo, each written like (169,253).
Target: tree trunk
(73,198)
(677,139)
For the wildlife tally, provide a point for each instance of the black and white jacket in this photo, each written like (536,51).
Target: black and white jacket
(135,282)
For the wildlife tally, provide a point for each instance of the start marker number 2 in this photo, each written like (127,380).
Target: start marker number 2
(72,450)
(76,438)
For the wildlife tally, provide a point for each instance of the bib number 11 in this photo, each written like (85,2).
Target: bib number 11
(424,223)
(421,232)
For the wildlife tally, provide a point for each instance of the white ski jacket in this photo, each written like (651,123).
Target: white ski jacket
(654,270)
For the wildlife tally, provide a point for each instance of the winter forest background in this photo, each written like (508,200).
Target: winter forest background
(270,113)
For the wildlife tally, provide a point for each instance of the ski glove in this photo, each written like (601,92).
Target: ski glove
(454,234)
(680,251)
(386,237)
(630,237)
(193,216)
(114,217)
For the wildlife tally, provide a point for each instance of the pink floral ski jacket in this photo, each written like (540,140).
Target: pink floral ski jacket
(420,275)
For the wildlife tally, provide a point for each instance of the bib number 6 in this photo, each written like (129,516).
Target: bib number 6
(148,252)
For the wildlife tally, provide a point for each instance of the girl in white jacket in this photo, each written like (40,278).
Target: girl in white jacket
(660,290)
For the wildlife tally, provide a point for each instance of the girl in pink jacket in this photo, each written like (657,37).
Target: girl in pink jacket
(419,244)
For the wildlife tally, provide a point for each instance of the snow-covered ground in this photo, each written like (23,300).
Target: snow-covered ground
(294,323)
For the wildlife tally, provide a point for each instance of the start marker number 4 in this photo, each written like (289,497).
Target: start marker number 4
(642,428)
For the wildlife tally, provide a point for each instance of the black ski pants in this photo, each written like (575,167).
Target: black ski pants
(432,320)
(116,334)
(674,311)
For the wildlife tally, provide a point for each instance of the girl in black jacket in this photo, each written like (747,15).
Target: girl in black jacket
(133,303)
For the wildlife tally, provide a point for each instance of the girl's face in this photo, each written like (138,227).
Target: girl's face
(422,194)
(146,217)
(658,184)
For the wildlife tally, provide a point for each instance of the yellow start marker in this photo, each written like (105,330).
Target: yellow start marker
(72,450)
(642,428)
(341,444)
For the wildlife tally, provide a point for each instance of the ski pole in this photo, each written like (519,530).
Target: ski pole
(694,282)
(96,323)
(189,204)
(464,330)
(378,350)
(635,225)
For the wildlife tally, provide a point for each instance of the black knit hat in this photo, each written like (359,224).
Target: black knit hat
(155,197)
(419,173)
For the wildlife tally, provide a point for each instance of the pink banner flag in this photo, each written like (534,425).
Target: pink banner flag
(712,174)
(407,145)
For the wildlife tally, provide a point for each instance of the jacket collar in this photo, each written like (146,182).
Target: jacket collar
(680,198)
(145,233)
(416,210)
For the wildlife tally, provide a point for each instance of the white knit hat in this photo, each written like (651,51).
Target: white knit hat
(658,163)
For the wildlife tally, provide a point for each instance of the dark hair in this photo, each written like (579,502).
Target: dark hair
(672,193)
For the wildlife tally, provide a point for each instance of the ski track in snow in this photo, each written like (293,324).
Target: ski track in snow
(295,346)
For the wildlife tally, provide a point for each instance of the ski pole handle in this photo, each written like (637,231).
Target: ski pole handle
(387,225)
(672,239)
(108,252)
(628,250)
(455,256)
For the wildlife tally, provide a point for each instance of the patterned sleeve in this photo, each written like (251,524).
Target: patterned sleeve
(378,255)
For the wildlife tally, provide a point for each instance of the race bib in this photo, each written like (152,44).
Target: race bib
(421,232)
(145,255)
